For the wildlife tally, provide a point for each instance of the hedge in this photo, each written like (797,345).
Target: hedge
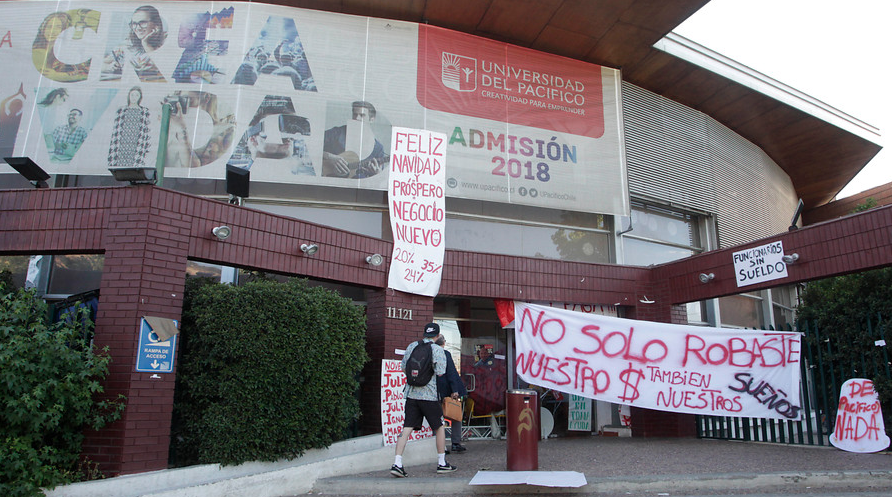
(50,379)
(266,371)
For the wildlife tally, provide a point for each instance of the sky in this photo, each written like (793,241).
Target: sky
(839,52)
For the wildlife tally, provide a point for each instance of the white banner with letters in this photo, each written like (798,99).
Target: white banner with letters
(668,367)
(417,210)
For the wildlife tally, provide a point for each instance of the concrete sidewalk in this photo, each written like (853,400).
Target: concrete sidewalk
(638,465)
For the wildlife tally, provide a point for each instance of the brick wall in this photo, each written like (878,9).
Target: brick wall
(148,234)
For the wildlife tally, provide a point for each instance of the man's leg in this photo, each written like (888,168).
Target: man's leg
(397,468)
(456,432)
(402,440)
(441,439)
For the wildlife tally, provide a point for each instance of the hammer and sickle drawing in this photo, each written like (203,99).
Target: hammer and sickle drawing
(525,421)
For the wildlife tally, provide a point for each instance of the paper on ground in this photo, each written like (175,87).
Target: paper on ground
(540,478)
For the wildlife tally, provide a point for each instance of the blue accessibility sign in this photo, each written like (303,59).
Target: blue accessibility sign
(155,355)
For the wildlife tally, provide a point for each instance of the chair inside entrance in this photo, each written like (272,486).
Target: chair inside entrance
(480,426)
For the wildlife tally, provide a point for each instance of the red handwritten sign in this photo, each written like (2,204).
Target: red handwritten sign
(859,418)
(416,191)
(660,366)
(393,404)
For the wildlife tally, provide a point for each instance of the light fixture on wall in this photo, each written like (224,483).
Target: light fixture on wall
(135,175)
(238,181)
(706,278)
(222,232)
(31,171)
(309,249)
(374,259)
(790,258)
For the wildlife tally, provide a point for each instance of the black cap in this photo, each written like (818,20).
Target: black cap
(431,330)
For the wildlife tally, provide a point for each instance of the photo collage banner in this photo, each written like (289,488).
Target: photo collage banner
(303,97)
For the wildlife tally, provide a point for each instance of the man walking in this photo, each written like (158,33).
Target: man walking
(451,385)
(422,403)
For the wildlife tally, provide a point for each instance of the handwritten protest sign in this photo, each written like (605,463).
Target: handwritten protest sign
(393,404)
(579,414)
(859,419)
(688,369)
(758,264)
(416,192)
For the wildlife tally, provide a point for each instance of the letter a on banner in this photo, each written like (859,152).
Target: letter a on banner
(416,192)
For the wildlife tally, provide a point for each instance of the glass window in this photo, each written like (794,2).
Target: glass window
(741,311)
(18,266)
(638,252)
(661,224)
(204,270)
(367,223)
(527,241)
(696,312)
(73,274)
(660,235)
(783,299)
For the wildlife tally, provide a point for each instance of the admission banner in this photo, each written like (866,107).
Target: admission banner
(302,96)
(686,369)
(417,210)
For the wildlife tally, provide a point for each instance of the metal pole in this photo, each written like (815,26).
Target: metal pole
(162,144)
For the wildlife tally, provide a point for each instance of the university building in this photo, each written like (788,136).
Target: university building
(594,161)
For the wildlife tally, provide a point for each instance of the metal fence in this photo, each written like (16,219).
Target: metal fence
(823,373)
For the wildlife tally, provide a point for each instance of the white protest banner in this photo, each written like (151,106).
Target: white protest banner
(758,264)
(687,369)
(859,419)
(579,414)
(417,210)
(393,404)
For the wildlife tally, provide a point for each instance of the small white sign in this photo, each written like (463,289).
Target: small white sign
(759,264)
(579,414)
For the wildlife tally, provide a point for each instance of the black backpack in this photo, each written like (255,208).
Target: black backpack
(420,366)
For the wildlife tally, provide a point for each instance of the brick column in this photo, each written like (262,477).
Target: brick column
(384,335)
(143,274)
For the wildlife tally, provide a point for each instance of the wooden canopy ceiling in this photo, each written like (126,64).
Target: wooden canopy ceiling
(820,157)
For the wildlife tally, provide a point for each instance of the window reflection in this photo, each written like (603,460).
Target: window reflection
(660,235)
(73,274)
(643,253)
(744,311)
(527,241)
(17,265)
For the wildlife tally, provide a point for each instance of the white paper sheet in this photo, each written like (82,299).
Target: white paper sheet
(541,478)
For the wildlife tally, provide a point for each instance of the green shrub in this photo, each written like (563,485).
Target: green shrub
(266,371)
(49,377)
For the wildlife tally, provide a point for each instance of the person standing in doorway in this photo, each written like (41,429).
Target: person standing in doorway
(450,385)
(422,403)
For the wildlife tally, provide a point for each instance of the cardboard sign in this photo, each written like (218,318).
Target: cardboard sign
(859,419)
(758,264)
(393,404)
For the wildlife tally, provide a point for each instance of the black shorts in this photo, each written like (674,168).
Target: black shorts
(418,410)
